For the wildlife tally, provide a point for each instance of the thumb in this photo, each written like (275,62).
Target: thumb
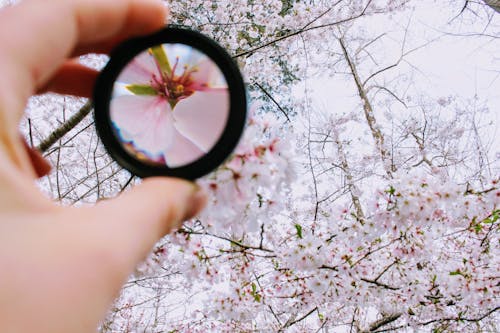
(137,219)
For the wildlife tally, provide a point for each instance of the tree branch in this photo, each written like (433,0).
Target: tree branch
(461,318)
(383,285)
(273,100)
(300,31)
(292,321)
(382,322)
(57,134)
(369,114)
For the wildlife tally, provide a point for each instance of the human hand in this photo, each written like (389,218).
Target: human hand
(61,267)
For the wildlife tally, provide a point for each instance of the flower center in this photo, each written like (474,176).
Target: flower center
(175,87)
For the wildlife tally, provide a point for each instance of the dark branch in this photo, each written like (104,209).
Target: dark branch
(461,318)
(300,31)
(273,100)
(382,322)
(65,128)
(292,322)
(383,285)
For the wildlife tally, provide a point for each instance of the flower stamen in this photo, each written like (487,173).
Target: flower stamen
(172,86)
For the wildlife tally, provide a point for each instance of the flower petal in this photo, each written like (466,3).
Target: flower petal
(207,76)
(181,152)
(140,70)
(202,117)
(145,121)
(159,135)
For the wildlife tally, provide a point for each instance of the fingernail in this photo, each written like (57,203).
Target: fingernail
(196,202)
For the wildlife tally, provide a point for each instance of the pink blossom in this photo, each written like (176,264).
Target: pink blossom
(170,114)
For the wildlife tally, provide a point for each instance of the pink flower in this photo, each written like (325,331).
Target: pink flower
(170,114)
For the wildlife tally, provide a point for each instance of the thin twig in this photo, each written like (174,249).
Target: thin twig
(273,100)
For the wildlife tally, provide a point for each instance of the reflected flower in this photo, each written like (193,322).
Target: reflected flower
(168,114)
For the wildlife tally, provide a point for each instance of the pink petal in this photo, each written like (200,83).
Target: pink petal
(207,75)
(146,121)
(181,152)
(159,136)
(140,70)
(202,117)
(205,69)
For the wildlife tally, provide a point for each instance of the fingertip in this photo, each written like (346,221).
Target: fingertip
(158,204)
(146,16)
(164,11)
(185,198)
(131,224)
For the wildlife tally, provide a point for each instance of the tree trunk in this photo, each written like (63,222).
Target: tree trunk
(495,4)
(369,114)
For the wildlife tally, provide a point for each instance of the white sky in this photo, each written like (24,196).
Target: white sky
(451,66)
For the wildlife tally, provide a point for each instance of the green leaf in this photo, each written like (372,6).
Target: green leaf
(161,59)
(495,215)
(255,294)
(142,89)
(298,227)
(391,190)
(286,7)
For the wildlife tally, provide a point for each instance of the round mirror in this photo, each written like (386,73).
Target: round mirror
(172,103)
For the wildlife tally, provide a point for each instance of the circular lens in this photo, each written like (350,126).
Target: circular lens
(172,103)
(169,105)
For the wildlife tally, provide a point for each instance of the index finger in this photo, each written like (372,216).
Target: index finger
(37,36)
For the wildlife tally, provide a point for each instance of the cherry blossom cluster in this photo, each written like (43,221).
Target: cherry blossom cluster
(248,188)
(252,184)
(425,253)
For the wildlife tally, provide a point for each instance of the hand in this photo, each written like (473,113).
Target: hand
(61,267)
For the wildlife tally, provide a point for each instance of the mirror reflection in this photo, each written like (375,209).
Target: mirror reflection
(170,105)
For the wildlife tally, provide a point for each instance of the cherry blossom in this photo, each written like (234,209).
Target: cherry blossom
(171,114)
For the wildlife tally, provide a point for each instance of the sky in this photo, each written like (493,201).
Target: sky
(452,65)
